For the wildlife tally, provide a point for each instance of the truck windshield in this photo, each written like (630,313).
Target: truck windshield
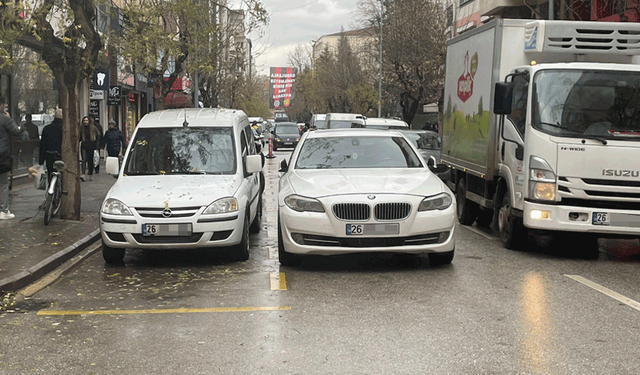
(587,103)
(206,150)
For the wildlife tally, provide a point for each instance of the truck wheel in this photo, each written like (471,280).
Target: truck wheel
(512,233)
(485,218)
(467,210)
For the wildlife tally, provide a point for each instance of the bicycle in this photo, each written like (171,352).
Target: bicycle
(54,192)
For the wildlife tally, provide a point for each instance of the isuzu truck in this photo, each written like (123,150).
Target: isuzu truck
(541,129)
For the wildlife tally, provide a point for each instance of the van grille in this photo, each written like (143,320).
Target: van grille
(352,211)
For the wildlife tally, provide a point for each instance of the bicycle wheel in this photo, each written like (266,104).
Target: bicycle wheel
(57,196)
(48,209)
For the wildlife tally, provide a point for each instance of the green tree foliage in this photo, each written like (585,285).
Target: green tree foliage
(251,100)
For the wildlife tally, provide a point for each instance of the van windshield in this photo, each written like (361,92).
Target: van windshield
(182,150)
(588,103)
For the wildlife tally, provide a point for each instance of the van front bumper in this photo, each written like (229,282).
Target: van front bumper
(213,231)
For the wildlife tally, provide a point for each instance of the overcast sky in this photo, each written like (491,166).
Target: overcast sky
(293,22)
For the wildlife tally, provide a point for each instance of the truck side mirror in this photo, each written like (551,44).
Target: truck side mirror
(519,152)
(502,98)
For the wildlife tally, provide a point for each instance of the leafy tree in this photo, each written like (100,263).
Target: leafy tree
(63,32)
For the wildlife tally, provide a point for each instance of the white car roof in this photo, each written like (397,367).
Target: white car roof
(194,116)
(325,133)
(385,121)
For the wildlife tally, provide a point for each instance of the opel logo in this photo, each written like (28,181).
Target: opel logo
(166,212)
(371,196)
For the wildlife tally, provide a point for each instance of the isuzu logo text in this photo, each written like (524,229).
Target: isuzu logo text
(620,173)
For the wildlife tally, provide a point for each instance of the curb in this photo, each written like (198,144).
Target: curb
(34,273)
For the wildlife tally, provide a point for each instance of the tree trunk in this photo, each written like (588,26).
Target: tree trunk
(71,201)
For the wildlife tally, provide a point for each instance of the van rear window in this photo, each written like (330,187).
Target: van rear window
(192,150)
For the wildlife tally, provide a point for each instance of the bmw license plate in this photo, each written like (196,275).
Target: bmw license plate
(166,229)
(601,218)
(372,229)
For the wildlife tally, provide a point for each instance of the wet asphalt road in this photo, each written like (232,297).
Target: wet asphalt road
(492,311)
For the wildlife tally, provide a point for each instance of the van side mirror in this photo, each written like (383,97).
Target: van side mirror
(284,167)
(253,164)
(502,98)
(112,165)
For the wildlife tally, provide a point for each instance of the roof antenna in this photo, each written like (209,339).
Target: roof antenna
(185,123)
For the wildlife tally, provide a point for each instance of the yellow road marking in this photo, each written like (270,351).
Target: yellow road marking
(164,311)
(278,281)
(617,296)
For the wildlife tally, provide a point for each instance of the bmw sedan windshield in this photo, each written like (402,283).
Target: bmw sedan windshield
(357,152)
(205,150)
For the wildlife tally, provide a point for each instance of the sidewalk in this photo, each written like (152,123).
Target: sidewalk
(29,249)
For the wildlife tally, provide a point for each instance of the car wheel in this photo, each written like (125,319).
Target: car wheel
(257,221)
(241,250)
(512,233)
(467,210)
(112,255)
(286,259)
(440,259)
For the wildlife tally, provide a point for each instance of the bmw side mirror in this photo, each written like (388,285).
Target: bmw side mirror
(283,166)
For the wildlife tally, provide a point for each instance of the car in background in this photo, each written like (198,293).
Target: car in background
(429,144)
(285,135)
(344,120)
(319,121)
(361,190)
(191,178)
(385,123)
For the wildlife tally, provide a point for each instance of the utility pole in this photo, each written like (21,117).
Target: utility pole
(380,70)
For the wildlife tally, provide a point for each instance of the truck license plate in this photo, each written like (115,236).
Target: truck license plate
(166,229)
(372,229)
(601,218)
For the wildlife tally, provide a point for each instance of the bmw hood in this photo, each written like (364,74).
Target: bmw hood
(321,183)
(174,190)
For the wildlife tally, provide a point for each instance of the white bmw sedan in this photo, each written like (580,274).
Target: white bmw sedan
(358,190)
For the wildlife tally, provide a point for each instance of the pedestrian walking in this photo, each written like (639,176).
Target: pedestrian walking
(89,136)
(51,143)
(31,128)
(113,140)
(99,145)
(7,127)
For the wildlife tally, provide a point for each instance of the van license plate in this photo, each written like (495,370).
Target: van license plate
(166,229)
(601,218)
(372,229)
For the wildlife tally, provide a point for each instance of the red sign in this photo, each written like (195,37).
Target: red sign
(465,82)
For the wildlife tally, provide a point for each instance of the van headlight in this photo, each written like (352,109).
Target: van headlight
(222,206)
(115,207)
(542,180)
(440,202)
(303,204)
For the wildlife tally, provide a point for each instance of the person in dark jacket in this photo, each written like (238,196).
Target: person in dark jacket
(89,136)
(7,127)
(51,143)
(113,140)
(31,128)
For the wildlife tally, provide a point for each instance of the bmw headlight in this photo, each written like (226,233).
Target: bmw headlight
(303,204)
(222,206)
(440,202)
(115,207)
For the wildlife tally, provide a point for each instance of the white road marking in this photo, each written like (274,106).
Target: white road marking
(617,296)
(273,252)
(479,232)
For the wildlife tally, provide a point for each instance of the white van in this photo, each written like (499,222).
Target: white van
(319,121)
(190,179)
(344,120)
(385,123)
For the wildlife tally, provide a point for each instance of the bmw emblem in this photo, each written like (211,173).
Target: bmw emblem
(166,212)
(371,197)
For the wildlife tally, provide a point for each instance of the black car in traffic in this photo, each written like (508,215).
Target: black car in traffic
(285,134)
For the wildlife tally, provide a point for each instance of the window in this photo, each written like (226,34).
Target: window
(519,104)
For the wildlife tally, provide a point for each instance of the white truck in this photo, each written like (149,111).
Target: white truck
(541,129)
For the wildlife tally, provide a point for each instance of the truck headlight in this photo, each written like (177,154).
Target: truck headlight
(303,204)
(115,207)
(222,206)
(437,202)
(542,180)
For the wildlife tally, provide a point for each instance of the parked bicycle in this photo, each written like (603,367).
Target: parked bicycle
(54,192)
